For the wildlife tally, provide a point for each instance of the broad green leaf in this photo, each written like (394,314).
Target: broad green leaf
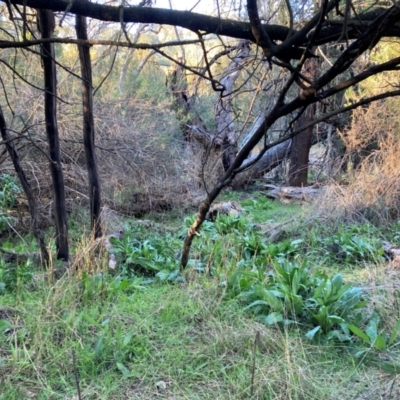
(361,353)
(273,318)
(394,334)
(4,325)
(273,300)
(372,329)
(320,288)
(124,284)
(295,282)
(334,319)
(89,319)
(98,347)
(296,242)
(336,334)
(114,241)
(359,333)
(310,334)
(163,275)
(257,303)
(380,343)
(123,369)
(337,282)
(361,304)
(288,322)
(322,314)
(127,339)
(345,328)
(7,246)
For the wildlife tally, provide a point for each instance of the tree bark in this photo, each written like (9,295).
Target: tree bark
(12,151)
(300,150)
(301,144)
(270,160)
(88,128)
(46,24)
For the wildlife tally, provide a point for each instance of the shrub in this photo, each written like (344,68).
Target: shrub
(286,293)
(9,189)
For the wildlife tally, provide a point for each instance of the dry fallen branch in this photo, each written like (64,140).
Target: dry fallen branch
(294,193)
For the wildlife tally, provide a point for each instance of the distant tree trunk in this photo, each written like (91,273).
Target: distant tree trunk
(190,123)
(300,150)
(198,142)
(301,144)
(12,151)
(270,160)
(144,62)
(218,148)
(46,24)
(88,128)
(226,128)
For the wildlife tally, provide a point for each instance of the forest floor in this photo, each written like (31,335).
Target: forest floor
(231,327)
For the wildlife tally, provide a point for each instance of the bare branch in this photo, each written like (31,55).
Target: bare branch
(6,44)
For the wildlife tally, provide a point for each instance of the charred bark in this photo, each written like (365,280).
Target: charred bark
(301,144)
(300,150)
(88,128)
(12,151)
(46,24)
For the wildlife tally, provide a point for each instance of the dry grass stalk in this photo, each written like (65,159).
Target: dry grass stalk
(373,190)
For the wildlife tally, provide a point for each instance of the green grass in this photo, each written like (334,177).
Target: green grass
(260,209)
(122,338)
(185,335)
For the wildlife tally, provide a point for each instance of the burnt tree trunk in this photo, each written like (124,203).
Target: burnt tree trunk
(301,144)
(12,151)
(88,128)
(46,24)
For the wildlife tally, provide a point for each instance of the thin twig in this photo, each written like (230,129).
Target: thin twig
(253,367)
(76,375)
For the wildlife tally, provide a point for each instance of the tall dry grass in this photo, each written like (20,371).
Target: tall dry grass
(141,158)
(372,191)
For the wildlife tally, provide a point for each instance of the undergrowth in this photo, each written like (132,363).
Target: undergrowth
(250,318)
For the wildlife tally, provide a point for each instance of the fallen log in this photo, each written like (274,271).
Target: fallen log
(270,160)
(293,193)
